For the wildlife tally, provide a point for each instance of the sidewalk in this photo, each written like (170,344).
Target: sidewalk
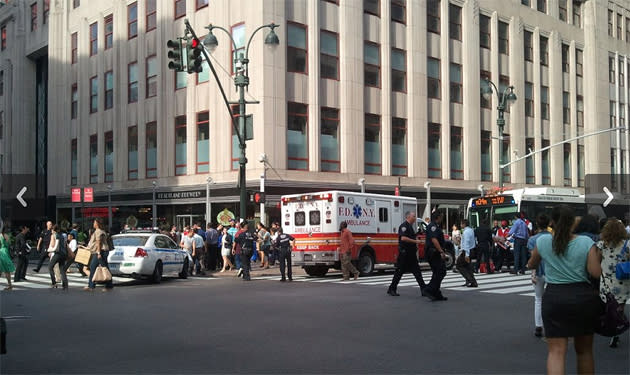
(258,272)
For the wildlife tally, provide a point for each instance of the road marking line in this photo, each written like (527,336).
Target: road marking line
(495,285)
(511,290)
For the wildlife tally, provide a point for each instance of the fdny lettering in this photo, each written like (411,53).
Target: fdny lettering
(367,212)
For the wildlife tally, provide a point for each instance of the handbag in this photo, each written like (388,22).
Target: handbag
(612,321)
(622,270)
(83,256)
(101,275)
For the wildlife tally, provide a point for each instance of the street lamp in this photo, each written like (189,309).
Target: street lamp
(109,207)
(154,208)
(506,97)
(264,160)
(241,80)
(361,183)
(209,181)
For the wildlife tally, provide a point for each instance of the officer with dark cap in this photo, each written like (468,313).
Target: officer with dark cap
(435,254)
(407,254)
(246,241)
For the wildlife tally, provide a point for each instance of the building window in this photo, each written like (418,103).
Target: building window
(456,83)
(613,114)
(546,176)
(611,16)
(109,31)
(562,10)
(486,99)
(579,55)
(433,78)
(204,75)
(504,83)
(74,156)
(109,156)
(542,6)
(132,20)
(74,46)
(619,23)
(434,148)
(76,4)
(372,66)
(93,159)
(372,144)
(529,99)
(151,15)
(152,80)
(544,102)
(132,153)
(484,31)
(581,165)
(529,46)
(1,82)
(151,149)
(74,106)
(566,108)
(433,16)
(580,110)
(329,55)
(544,51)
(399,70)
(297,47)
(180,8)
(627,30)
(235,143)
(621,76)
(94,39)
(297,138)
(457,169)
(507,171)
(132,84)
(454,22)
(567,164)
(33,16)
(530,177)
(3,43)
(329,141)
(180,145)
(611,69)
(399,146)
(203,142)
(577,14)
(504,38)
(486,156)
(93,94)
(109,89)
(527,2)
(201,4)
(399,11)
(565,58)
(181,80)
(372,7)
(1,124)
(238,33)
(46,11)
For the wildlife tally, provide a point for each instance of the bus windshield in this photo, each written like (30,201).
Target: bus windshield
(490,213)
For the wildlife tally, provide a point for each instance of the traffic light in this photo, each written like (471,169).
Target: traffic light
(193,52)
(175,55)
(259,197)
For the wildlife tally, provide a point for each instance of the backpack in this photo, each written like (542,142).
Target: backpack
(109,241)
(63,247)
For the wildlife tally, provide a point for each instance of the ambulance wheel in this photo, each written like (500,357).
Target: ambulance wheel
(366,263)
(316,271)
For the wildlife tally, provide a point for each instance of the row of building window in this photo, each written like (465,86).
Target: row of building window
(541,6)
(615,26)
(34,14)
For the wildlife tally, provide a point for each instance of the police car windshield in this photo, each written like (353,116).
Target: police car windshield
(130,240)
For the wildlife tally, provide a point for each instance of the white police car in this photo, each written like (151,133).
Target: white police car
(147,255)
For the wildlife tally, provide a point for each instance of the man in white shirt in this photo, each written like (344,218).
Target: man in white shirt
(194,244)
(463,263)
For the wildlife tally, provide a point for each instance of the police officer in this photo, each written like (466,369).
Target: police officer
(407,254)
(434,249)
(246,241)
(284,243)
(22,254)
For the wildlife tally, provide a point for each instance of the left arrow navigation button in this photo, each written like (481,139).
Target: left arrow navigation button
(20,195)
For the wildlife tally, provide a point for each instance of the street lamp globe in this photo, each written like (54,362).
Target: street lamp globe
(511,97)
(211,41)
(271,40)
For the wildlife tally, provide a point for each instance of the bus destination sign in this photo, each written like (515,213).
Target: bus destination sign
(491,201)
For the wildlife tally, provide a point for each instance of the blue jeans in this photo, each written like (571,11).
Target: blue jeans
(95,261)
(237,261)
(520,254)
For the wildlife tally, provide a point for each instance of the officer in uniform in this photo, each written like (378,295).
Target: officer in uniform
(407,254)
(285,242)
(246,240)
(22,254)
(434,249)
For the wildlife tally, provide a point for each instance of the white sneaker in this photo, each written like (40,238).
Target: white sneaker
(239,273)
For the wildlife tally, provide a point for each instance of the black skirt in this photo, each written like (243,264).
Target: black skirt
(570,310)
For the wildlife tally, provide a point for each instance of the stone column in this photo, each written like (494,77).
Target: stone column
(471,92)
(516,123)
(445,58)
(314,113)
(538,133)
(417,89)
(556,154)
(573,106)
(496,73)
(386,89)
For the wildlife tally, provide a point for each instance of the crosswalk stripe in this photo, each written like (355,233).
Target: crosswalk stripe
(528,294)
(517,289)
(493,285)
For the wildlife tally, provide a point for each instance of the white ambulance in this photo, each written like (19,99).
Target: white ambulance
(313,219)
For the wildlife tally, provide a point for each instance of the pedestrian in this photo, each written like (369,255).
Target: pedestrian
(588,225)
(346,248)
(6,264)
(193,244)
(569,306)
(199,230)
(464,264)
(285,242)
(245,239)
(538,274)
(435,254)
(74,230)
(273,253)
(483,236)
(456,236)
(59,252)
(22,254)
(501,246)
(615,247)
(520,233)
(212,248)
(100,251)
(175,235)
(42,245)
(264,245)
(233,231)
(407,255)
(73,246)
(226,250)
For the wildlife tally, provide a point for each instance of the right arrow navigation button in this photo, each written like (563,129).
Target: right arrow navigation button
(610,196)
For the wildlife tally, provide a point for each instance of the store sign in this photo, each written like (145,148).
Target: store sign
(76,195)
(88,194)
(225,216)
(180,194)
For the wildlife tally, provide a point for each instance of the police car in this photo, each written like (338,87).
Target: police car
(147,255)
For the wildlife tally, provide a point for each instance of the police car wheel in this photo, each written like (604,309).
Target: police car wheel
(157,273)
(184,273)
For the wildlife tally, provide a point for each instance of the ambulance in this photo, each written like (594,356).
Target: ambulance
(313,219)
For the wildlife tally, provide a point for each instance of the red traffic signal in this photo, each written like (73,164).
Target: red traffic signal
(259,197)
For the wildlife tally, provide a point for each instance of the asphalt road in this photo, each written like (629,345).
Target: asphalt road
(225,325)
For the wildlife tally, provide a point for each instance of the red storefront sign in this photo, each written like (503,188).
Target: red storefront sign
(76,195)
(88,194)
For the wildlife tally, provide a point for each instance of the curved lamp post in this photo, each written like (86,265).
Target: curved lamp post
(506,97)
